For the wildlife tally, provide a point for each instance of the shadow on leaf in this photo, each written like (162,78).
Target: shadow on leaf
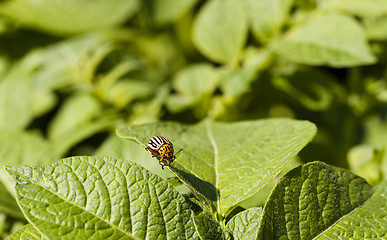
(204,188)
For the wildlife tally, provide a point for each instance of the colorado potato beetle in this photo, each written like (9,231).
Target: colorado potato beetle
(160,146)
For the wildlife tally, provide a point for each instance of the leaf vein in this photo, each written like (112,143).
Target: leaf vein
(214,146)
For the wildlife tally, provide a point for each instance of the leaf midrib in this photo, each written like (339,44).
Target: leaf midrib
(215,148)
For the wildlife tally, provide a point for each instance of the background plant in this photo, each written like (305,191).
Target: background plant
(71,73)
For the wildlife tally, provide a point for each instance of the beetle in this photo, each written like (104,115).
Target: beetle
(160,146)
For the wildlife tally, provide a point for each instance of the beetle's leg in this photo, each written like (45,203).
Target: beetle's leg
(162,165)
(154,154)
(161,162)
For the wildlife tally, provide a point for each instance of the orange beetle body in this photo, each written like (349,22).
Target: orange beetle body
(160,146)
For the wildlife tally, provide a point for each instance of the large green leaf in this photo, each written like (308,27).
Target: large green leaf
(68,17)
(244,225)
(229,162)
(101,198)
(220,30)
(368,221)
(328,39)
(310,199)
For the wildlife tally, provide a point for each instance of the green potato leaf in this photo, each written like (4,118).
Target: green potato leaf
(244,225)
(76,110)
(367,221)
(220,30)
(328,39)
(68,17)
(78,118)
(309,200)
(16,91)
(101,198)
(229,162)
(194,85)
(208,228)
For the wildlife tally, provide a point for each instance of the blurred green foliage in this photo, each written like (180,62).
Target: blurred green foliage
(71,72)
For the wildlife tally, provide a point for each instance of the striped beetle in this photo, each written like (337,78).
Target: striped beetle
(160,146)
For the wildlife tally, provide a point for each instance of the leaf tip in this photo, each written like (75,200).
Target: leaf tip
(120,132)
(125,134)
(11,171)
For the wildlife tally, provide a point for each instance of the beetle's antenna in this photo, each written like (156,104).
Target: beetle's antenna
(178,152)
